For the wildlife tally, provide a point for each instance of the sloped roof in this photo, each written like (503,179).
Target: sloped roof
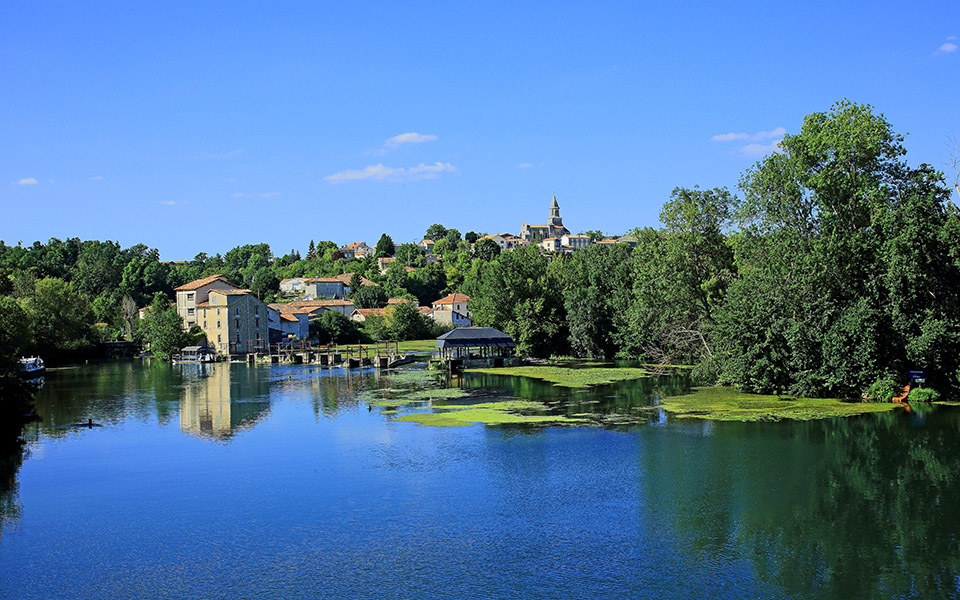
(455,298)
(199,283)
(474,337)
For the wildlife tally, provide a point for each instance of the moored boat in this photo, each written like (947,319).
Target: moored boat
(33,367)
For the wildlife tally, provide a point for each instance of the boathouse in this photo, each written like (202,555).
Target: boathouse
(474,342)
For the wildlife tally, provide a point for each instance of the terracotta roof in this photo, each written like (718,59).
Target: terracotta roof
(397,301)
(232,292)
(356,245)
(306,306)
(199,283)
(455,298)
(289,317)
(346,277)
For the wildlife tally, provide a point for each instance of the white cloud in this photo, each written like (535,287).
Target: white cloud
(408,138)
(26,181)
(231,180)
(380,172)
(946,47)
(168,202)
(239,195)
(525,165)
(269,194)
(96,178)
(750,137)
(754,150)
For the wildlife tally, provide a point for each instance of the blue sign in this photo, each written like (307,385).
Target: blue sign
(917,374)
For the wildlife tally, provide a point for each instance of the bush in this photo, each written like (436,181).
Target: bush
(923,395)
(882,390)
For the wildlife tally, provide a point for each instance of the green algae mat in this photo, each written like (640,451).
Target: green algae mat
(730,404)
(572,376)
(488,413)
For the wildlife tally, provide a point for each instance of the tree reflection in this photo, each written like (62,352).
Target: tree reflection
(861,507)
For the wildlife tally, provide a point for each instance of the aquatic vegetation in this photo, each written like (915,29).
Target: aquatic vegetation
(489,413)
(582,375)
(730,404)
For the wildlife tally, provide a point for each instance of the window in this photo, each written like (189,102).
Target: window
(218,338)
(238,311)
(257,325)
(256,311)
(218,314)
(190,297)
(218,325)
(190,311)
(238,337)
(238,323)
(213,299)
(204,324)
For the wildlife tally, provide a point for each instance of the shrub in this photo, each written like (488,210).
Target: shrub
(882,390)
(923,395)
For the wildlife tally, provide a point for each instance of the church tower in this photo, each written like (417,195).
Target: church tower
(555,223)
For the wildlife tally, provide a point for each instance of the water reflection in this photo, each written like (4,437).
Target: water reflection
(844,508)
(219,399)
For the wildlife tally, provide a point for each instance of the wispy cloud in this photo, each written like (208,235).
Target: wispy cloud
(380,172)
(408,138)
(753,150)
(269,194)
(754,144)
(26,181)
(750,137)
(526,166)
(948,46)
(96,178)
(169,202)
(238,195)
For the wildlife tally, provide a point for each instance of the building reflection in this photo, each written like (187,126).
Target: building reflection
(218,401)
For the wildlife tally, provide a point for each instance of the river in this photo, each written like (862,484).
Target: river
(229,481)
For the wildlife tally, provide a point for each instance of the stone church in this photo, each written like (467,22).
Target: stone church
(553,228)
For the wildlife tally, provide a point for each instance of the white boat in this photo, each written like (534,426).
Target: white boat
(33,367)
(194,354)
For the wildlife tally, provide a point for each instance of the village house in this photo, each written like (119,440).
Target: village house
(190,295)
(506,241)
(576,241)
(427,246)
(309,288)
(284,325)
(356,250)
(452,310)
(234,321)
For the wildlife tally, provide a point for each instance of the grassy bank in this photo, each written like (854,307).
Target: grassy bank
(574,376)
(730,404)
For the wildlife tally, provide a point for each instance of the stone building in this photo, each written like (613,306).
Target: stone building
(553,228)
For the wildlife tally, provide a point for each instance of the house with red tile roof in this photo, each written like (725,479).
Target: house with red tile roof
(190,295)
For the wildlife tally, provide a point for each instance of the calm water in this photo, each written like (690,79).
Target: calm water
(237,482)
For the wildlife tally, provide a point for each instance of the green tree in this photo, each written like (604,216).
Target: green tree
(61,317)
(164,328)
(435,232)
(410,255)
(486,249)
(369,296)
(334,327)
(385,246)
(471,237)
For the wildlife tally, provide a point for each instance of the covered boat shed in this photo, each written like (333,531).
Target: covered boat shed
(483,341)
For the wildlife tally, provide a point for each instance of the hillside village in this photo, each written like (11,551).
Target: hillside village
(236,320)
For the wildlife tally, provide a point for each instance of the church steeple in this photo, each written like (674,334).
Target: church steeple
(555,220)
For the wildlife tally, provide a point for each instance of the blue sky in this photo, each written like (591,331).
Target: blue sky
(201,128)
